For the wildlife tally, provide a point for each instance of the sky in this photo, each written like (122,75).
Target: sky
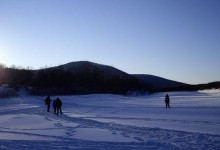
(174,39)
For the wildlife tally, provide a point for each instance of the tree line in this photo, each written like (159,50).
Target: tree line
(57,80)
(211,85)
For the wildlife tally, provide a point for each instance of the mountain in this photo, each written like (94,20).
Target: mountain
(158,82)
(85,77)
(91,67)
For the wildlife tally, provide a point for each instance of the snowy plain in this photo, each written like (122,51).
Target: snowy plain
(108,121)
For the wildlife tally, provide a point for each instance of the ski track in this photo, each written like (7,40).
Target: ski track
(144,137)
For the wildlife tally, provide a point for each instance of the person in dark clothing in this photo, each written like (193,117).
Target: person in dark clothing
(59,106)
(54,106)
(47,102)
(167,101)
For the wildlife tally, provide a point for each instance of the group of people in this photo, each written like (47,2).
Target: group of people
(57,105)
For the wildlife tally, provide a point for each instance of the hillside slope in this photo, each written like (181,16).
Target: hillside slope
(158,82)
(87,77)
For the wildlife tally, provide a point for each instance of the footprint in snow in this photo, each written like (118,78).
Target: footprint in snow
(114,132)
(125,135)
(58,125)
(139,139)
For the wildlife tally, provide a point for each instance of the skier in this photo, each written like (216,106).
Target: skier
(167,101)
(47,102)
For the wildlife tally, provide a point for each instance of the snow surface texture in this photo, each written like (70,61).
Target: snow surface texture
(113,122)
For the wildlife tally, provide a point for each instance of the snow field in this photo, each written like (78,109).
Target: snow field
(113,122)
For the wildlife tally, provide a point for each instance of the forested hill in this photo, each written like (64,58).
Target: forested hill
(158,82)
(85,77)
(81,77)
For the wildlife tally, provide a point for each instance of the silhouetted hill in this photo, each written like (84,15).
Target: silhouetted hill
(211,85)
(85,77)
(158,82)
(91,67)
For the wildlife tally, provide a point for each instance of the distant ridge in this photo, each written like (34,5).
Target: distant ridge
(84,77)
(91,66)
(150,80)
(158,82)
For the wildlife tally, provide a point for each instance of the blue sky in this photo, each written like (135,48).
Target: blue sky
(174,39)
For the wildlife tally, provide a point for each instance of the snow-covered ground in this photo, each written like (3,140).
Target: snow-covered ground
(113,122)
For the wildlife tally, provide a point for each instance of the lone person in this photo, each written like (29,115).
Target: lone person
(47,102)
(58,106)
(167,101)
